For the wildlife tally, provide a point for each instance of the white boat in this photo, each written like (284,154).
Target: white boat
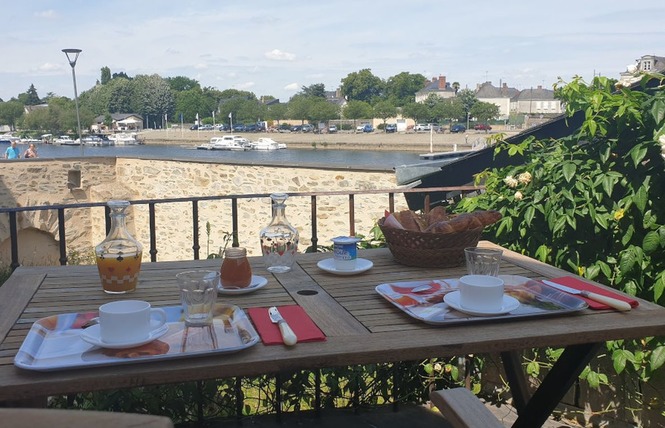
(66,140)
(265,144)
(230,142)
(124,139)
(8,139)
(97,141)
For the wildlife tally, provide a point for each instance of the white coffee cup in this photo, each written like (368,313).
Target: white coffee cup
(127,321)
(481,293)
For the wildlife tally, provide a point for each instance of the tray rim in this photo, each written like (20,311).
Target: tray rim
(473,318)
(36,329)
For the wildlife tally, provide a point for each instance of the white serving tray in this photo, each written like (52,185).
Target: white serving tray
(54,343)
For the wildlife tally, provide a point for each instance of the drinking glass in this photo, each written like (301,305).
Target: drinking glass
(483,261)
(198,293)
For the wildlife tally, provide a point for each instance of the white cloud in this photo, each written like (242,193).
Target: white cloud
(244,85)
(200,66)
(278,55)
(47,14)
(47,66)
(292,87)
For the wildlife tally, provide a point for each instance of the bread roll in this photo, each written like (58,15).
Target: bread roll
(461,223)
(407,219)
(436,215)
(442,226)
(487,217)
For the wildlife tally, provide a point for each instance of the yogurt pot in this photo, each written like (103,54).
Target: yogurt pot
(346,252)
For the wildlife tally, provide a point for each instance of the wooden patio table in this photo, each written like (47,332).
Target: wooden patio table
(361,327)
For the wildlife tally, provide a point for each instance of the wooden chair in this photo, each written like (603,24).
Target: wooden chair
(49,418)
(462,409)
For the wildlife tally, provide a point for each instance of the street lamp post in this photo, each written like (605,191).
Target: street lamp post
(72,61)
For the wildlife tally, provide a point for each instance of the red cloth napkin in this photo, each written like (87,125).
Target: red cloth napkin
(578,284)
(301,324)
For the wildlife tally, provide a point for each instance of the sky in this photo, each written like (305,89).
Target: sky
(277,47)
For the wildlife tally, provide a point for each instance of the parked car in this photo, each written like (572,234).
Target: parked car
(206,128)
(194,127)
(390,127)
(296,128)
(223,127)
(332,129)
(457,128)
(482,127)
(421,127)
(366,127)
(307,128)
(239,127)
(252,127)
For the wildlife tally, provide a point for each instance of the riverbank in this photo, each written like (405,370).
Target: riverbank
(410,141)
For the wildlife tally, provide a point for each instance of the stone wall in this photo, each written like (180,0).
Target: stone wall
(44,182)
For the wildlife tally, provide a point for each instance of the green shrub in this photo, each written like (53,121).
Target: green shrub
(593,203)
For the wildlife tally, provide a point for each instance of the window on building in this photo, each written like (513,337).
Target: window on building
(646,65)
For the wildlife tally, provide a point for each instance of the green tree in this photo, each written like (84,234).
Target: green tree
(468,98)
(120,96)
(189,103)
(315,90)
(321,110)
(151,96)
(10,113)
(483,111)
(384,110)
(30,97)
(299,106)
(355,110)
(417,111)
(182,83)
(105,75)
(401,88)
(456,87)
(362,86)
(276,111)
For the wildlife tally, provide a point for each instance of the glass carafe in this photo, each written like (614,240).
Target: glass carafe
(119,255)
(279,240)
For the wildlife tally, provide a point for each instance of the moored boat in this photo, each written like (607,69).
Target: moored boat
(124,139)
(265,144)
(230,142)
(66,140)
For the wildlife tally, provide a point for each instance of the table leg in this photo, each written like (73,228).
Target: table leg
(556,384)
(519,389)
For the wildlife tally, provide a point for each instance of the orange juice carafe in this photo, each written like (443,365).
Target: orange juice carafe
(236,271)
(119,255)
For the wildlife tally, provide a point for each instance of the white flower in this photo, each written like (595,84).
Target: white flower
(524,178)
(661,139)
(518,196)
(631,68)
(510,181)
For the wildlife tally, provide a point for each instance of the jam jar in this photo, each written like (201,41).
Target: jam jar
(236,271)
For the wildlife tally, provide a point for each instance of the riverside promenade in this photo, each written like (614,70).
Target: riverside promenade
(345,140)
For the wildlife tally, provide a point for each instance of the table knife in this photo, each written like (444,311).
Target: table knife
(617,304)
(288,336)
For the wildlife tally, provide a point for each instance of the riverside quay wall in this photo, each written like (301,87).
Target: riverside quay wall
(41,182)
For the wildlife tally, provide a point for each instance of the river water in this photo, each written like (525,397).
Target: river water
(375,160)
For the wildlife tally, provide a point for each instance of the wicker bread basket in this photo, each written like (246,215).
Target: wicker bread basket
(429,249)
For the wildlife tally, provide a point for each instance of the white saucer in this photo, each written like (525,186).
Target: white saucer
(453,300)
(91,335)
(257,283)
(328,265)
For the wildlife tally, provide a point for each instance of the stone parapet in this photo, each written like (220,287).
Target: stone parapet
(45,182)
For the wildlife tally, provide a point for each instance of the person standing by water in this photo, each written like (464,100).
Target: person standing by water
(12,152)
(31,152)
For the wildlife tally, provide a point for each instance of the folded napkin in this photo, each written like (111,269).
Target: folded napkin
(578,284)
(301,324)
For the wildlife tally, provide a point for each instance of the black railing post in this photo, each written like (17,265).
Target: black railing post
(195,229)
(153,232)
(315,237)
(352,215)
(391,202)
(234,222)
(13,238)
(61,236)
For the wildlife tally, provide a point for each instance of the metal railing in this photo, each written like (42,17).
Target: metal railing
(12,213)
